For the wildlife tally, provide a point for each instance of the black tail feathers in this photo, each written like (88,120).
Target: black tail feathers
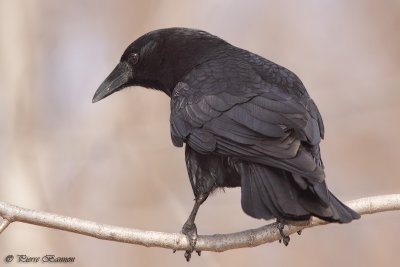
(274,193)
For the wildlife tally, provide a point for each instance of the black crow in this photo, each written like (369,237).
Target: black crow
(245,120)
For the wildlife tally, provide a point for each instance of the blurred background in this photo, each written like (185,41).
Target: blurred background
(113,162)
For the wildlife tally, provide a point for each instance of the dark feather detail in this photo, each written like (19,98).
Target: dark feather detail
(277,192)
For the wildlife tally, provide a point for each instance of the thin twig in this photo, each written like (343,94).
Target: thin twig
(177,241)
(4,225)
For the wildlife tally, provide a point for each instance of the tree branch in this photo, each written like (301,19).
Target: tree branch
(4,225)
(177,241)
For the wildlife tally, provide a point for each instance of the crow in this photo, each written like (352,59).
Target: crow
(245,121)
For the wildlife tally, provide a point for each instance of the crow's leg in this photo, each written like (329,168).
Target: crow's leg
(285,238)
(189,228)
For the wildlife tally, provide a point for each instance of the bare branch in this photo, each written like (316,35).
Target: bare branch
(4,225)
(177,241)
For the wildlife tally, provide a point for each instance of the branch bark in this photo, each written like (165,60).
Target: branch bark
(177,241)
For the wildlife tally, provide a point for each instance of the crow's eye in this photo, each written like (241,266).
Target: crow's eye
(134,58)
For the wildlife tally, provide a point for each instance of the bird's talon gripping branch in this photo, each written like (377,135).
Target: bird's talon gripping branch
(285,238)
(188,255)
(299,232)
(190,230)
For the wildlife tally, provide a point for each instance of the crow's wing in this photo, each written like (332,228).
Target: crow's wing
(228,108)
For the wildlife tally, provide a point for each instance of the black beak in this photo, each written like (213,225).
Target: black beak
(117,80)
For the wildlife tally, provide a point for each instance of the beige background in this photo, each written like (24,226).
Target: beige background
(113,162)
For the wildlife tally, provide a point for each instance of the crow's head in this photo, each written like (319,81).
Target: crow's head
(159,59)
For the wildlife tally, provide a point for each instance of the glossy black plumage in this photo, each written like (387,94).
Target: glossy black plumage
(245,120)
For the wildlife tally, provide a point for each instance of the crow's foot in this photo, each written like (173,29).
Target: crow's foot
(285,238)
(190,230)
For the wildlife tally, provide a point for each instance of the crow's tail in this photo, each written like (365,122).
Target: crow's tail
(274,193)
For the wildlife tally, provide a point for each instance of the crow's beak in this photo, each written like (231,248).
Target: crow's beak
(116,81)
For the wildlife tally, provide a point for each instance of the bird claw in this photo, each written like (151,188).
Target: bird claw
(285,238)
(299,232)
(188,255)
(190,230)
